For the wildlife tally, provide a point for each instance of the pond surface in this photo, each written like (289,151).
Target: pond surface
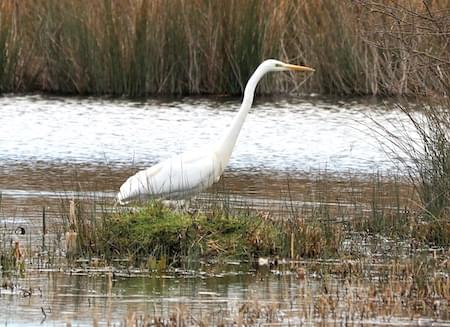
(47,143)
(228,294)
(57,147)
(62,147)
(85,297)
(278,135)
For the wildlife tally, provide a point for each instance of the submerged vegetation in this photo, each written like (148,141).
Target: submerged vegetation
(141,47)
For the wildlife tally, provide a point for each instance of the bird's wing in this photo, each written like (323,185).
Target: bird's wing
(177,177)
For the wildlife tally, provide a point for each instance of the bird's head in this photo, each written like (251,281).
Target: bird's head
(279,66)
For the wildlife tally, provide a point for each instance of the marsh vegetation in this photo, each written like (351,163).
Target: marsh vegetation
(352,251)
(142,47)
(353,246)
(375,243)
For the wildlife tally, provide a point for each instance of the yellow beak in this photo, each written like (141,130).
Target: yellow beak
(299,68)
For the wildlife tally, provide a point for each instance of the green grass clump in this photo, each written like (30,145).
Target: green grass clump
(157,231)
(153,230)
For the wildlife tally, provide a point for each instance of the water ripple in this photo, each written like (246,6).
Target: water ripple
(292,134)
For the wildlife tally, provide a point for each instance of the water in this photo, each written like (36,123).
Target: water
(294,135)
(48,142)
(57,147)
(299,294)
(52,147)
(85,297)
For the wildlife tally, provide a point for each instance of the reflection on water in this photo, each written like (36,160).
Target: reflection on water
(230,294)
(88,297)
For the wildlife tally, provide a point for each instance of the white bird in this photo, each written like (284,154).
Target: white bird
(189,173)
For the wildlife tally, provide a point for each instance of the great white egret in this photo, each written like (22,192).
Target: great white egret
(189,173)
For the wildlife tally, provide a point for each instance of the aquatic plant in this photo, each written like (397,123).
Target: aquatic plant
(155,231)
(405,36)
(424,155)
(431,172)
(8,50)
(348,291)
(142,47)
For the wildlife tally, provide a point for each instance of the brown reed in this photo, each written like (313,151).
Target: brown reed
(141,47)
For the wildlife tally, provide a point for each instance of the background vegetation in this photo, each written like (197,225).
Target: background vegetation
(140,47)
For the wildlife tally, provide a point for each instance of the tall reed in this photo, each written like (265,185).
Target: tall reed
(8,48)
(423,153)
(142,47)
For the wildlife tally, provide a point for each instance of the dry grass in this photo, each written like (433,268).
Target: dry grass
(387,267)
(423,153)
(331,220)
(349,292)
(155,231)
(141,47)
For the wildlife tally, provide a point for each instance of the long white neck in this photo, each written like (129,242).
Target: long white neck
(225,146)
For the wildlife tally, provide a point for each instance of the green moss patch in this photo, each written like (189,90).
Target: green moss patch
(158,231)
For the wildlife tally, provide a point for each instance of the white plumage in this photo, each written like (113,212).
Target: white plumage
(178,177)
(189,173)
